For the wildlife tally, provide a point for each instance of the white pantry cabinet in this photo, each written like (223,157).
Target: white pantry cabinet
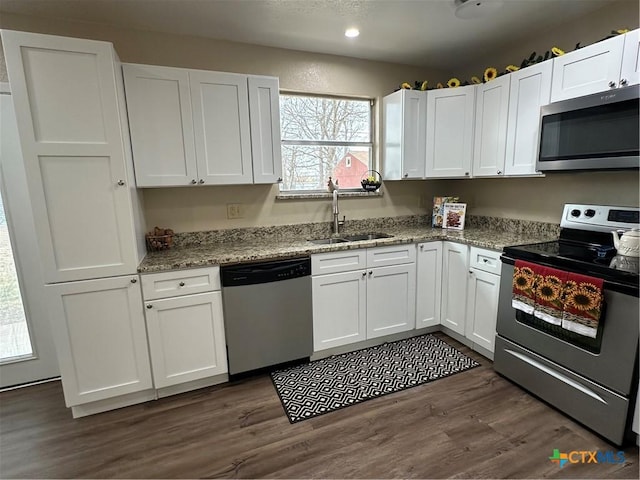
(530,90)
(482,297)
(363,297)
(455,270)
(403,134)
(449,148)
(101,342)
(490,134)
(72,133)
(608,64)
(428,284)
(198,127)
(185,325)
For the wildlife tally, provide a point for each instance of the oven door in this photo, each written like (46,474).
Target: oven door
(609,361)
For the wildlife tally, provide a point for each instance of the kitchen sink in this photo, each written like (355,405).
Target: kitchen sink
(328,241)
(366,236)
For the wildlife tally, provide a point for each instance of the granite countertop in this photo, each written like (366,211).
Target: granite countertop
(283,246)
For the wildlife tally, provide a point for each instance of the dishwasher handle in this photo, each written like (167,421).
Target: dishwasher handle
(265,272)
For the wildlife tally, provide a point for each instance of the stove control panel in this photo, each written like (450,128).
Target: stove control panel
(600,218)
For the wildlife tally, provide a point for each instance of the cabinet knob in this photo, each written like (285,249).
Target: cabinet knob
(466,174)
(499,172)
(181,284)
(370,272)
(279,179)
(193,182)
(406,175)
(134,280)
(121,183)
(612,84)
(485,260)
(623,82)
(201,181)
(421,247)
(149,305)
(364,274)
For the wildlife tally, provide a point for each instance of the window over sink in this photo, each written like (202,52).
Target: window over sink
(325,136)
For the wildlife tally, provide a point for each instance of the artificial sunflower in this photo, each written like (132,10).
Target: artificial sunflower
(490,74)
(557,51)
(475,80)
(453,83)
(548,291)
(512,68)
(622,31)
(439,85)
(406,86)
(423,86)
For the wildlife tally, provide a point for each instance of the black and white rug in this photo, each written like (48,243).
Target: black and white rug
(335,382)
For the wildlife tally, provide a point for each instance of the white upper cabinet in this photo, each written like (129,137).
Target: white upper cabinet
(264,109)
(449,148)
(196,127)
(591,69)
(404,130)
(158,100)
(492,109)
(65,93)
(530,90)
(630,73)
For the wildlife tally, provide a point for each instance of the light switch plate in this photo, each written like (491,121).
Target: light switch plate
(235,210)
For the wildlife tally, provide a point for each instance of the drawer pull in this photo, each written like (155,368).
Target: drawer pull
(134,280)
(149,305)
(485,260)
(181,284)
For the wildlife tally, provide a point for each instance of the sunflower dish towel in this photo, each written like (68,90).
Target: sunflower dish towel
(583,302)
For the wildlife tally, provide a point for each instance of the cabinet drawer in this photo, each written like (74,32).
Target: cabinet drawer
(485,260)
(180,282)
(336,262)
(392,255)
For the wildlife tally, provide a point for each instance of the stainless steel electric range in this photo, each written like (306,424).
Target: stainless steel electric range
(593,380)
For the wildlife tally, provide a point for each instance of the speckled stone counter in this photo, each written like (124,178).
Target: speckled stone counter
(246,245)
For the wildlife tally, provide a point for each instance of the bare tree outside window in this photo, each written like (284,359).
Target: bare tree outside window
(324,137)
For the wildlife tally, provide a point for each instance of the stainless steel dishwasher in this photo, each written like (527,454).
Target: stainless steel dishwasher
(268,314)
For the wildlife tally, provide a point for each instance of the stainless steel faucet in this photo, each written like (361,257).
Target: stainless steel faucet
(336,213)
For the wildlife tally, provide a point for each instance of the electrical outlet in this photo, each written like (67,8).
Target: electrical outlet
(235,210)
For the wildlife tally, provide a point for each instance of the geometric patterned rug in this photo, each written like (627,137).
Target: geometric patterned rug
(339,381)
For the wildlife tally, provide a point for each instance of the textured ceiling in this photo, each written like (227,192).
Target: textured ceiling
(413,32)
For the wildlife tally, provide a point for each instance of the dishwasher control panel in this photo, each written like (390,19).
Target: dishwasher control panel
(265,272)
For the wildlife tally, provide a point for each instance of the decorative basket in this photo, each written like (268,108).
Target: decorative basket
(371,181)
(159,239)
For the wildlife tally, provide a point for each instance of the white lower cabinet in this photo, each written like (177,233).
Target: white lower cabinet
(358,300)
(455,268)
(98,327)
(186,338)
(482,308)
(185,329)
(428,284)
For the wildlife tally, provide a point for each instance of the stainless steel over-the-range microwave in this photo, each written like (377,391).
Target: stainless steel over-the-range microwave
(594,132)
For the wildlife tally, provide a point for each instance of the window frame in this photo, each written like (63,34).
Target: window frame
(371,144)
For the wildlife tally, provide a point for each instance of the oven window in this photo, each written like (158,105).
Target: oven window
(587,343)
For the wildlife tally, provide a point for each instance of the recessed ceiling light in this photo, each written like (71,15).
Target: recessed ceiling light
(351,32)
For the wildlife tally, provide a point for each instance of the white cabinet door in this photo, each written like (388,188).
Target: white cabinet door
(530,90)
(220,104)
(591,69)
(391,300)
(455,270)
(492,109)
(630,73)
(404,130)
(339,309)
(161,124)
(98,328)
(66,102)
(264,108)
(186,338)
(450,114)
(428,284)
(482,308)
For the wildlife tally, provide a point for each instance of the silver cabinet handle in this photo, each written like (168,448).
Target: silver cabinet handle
(149,305)
(623,82)
(134,280)
(201,181)
(612,84)
(193,182)
(121,183)
(181,284)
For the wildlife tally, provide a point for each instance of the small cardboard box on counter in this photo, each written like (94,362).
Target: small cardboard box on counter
(454,215)
(438,210)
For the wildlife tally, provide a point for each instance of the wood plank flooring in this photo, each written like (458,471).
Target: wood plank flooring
(474,424)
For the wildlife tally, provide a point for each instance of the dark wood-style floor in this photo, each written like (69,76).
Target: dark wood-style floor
(474,424)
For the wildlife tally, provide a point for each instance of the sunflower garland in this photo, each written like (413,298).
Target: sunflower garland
(490,74)
(557,51)
(475,80)
(439,85)
(453,83)
(512,68)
